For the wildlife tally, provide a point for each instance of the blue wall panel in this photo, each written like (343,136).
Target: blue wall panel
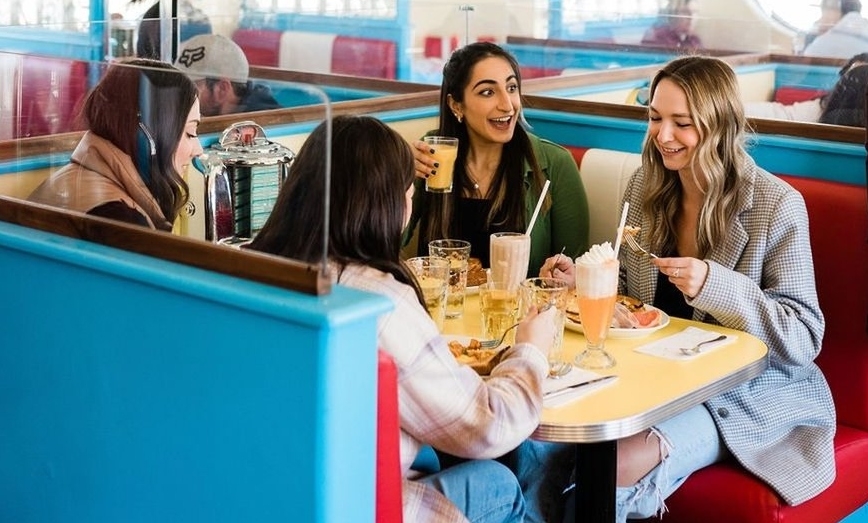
(133,389)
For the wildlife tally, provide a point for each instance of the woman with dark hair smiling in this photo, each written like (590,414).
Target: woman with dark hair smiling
(442,403)
(500,169)
(143,120)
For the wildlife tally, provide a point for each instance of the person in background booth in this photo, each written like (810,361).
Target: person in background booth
(142,120)
(501,168)
(442,403)
(734,251)
(842,105)
(220,70)
(830,13)
(674,27)
(848,36)
(192,20)
(845,105)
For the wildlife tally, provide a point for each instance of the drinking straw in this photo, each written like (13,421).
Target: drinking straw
(621,228)
(542,196)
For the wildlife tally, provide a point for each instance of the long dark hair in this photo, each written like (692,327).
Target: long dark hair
(845,104)
(136,103)
(372,169)
(508,210)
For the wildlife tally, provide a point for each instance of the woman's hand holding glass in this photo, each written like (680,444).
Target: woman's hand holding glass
(426,165)
(538,328)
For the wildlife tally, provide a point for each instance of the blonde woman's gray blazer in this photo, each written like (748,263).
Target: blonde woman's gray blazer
(780,425)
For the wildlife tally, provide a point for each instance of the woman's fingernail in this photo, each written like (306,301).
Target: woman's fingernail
(432,151)
(433,172)
(426,176)
(436,164)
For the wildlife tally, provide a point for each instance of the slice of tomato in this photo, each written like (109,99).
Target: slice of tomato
(647,318)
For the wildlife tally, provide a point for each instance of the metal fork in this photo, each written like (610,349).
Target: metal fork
(696,349)
(635,247)
(490,344)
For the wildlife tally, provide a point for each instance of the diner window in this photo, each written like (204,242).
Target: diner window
(348,8)
(798,15)
(590,10)
(50,14)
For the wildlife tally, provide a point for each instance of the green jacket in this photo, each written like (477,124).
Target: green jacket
(564,225)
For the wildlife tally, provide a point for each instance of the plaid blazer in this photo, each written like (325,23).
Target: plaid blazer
(780,425)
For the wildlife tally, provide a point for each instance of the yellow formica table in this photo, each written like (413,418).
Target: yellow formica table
(649,390)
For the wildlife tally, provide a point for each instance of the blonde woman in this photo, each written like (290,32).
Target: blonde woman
(734,251)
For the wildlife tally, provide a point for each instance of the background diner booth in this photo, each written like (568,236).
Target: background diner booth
(257,392)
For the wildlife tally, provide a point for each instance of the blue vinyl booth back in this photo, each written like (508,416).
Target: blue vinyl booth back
(136,389)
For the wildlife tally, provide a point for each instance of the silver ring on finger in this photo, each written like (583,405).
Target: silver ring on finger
(677,272)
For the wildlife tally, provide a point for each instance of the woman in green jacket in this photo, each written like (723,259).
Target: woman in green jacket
(500,169)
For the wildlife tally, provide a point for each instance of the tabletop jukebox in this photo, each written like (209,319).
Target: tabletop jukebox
(244,176)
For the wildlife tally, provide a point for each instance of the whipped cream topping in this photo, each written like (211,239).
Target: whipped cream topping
(597,255)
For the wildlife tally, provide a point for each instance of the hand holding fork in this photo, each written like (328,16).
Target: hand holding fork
(635,247)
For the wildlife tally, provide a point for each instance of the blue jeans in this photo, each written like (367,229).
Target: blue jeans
(484,490)
(691,439)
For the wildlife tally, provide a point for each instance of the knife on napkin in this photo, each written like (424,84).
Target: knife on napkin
(570,388)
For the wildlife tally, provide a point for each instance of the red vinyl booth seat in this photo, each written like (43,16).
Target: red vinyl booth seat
(260,46)
(789,95)
(725,492)
(389,499)
(51,93)
(365,57)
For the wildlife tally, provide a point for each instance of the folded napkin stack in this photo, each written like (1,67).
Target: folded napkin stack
(670,346)
(576,384)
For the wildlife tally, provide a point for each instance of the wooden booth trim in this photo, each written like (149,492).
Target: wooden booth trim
(807,130)
(249,265)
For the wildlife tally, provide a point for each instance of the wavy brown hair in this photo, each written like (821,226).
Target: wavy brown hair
(716,109)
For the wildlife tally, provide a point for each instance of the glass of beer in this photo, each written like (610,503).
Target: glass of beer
(498,303)
(445,151)
(596,290)
(457,253)
(432,273)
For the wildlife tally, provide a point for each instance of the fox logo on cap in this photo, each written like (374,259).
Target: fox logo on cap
(190,56)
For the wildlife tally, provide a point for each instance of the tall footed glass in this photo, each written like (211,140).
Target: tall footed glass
(596,290)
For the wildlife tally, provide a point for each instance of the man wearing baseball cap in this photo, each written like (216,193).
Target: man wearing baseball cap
(220,70)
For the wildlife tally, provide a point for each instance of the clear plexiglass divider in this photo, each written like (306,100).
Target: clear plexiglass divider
(133,123)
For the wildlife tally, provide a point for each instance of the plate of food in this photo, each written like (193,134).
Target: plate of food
(466,350)
(476,276)
(633,318)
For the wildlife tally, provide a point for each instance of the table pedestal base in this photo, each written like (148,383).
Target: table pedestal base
(596,469)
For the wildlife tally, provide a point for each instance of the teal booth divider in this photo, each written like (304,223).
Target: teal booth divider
(136,389)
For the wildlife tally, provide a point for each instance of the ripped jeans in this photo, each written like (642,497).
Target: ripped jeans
(691,439)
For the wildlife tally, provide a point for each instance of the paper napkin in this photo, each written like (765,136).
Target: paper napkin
(670,346)
(576,376)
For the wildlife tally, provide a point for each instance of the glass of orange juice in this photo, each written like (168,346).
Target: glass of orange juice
(596,290)
(445,151)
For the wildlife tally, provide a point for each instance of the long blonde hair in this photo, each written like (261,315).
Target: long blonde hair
(711,88)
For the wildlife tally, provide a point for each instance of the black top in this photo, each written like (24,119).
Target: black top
(468,221)
(670,300)
(258,98)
